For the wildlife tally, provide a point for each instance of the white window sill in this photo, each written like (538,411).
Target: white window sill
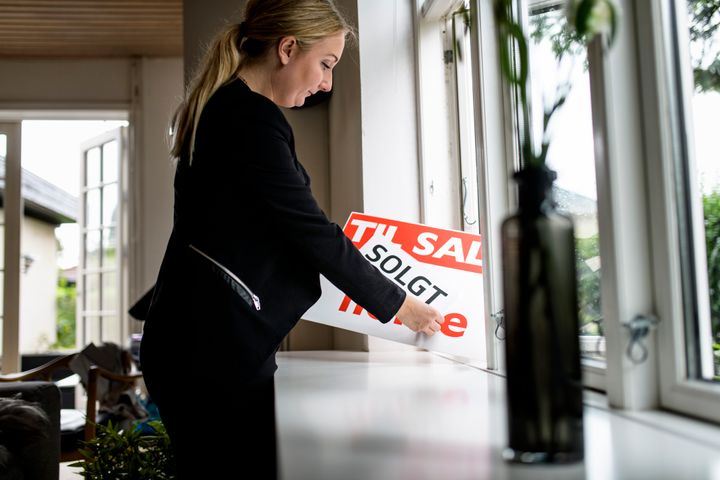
(411,414)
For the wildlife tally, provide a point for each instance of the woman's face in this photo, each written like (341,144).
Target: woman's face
(303,72)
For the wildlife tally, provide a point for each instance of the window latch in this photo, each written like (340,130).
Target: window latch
(499,318)
(639,328)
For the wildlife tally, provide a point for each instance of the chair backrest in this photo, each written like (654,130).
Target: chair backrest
(94,374)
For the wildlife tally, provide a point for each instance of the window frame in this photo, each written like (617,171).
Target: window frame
(667,73)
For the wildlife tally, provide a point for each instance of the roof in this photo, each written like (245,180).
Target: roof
(42,199)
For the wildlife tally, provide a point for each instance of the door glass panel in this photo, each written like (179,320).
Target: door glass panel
(110,162)
(92,249)
(109,291)
(110,201)
(92,208)
(109,237)
(92,292)
(700,187)
(553,60)
(111,329)
(92,167)
(92,330)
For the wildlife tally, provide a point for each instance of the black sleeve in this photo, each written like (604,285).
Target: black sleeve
(289,203)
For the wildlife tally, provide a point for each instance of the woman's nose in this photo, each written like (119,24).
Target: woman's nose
(326,84)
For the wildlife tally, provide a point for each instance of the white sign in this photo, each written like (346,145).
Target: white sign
(441,267)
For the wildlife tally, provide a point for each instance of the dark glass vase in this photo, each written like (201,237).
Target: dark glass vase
(542,351)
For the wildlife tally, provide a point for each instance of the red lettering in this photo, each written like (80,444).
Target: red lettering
(455,325)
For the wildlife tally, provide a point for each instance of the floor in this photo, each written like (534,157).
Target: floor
(67,473)
(417,415)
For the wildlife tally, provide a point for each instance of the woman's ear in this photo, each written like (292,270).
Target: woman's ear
(287,48)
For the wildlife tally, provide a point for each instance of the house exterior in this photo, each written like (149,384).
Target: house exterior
(45,207)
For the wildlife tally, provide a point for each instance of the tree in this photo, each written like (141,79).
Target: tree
(704,24)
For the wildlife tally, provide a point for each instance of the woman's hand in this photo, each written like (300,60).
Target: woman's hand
(419,316)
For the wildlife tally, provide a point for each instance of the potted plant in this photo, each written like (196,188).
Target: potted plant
(544,378)
(139,453)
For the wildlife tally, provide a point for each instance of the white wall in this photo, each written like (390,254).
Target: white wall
(161,90)
(387,80)
(38,285)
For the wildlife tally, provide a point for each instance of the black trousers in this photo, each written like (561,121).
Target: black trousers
(224,436)
(220,426)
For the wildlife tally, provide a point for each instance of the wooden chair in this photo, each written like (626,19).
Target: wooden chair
(45,372)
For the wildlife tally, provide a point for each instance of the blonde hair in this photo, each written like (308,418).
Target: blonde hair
(266,22)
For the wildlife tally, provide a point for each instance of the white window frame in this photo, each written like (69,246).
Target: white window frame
(665,76)
(13,213)
(119,135)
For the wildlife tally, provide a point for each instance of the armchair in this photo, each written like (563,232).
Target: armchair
(30,444)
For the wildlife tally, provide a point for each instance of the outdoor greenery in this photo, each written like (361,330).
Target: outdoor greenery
(711,204)
(704,24)
(65,298)
(586,251)
(132,454)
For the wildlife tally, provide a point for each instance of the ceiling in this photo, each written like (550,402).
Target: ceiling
(90,28)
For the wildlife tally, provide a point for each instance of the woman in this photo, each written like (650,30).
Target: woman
(249,241)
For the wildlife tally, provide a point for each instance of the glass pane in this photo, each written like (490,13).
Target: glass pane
(554,60)
(109,204)
(111,329)
(466,120)
(92,292)
(109,291)
(702,190)
(110,162)
(92,167)
(3,145)
(92,249)
(109,237)
(92,330)
(92,208)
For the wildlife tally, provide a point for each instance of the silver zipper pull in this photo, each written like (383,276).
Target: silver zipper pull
(256,301)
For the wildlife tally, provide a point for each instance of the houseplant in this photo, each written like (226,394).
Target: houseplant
(140,453)
(544,379)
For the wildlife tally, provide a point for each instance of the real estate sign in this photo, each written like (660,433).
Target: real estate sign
(441,267)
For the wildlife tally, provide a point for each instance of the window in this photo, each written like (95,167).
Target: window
(689,301)
(101,280)
(557,63)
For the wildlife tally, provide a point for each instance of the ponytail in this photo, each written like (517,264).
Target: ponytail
(266,22)
(221,65)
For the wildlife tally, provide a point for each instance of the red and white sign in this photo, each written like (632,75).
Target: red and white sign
(441,267)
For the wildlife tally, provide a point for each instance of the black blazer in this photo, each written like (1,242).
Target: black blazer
(249,241)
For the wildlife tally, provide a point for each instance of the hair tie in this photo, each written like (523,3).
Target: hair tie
(242,30)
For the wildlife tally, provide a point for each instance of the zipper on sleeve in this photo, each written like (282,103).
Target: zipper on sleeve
(255,299)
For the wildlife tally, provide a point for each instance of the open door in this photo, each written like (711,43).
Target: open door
(102,278)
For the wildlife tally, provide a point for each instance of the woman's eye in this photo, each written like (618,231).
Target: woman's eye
(326,66)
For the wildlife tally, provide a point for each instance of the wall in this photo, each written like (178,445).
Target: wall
(160,92)
(78,84)
(37,286)
(374,164)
